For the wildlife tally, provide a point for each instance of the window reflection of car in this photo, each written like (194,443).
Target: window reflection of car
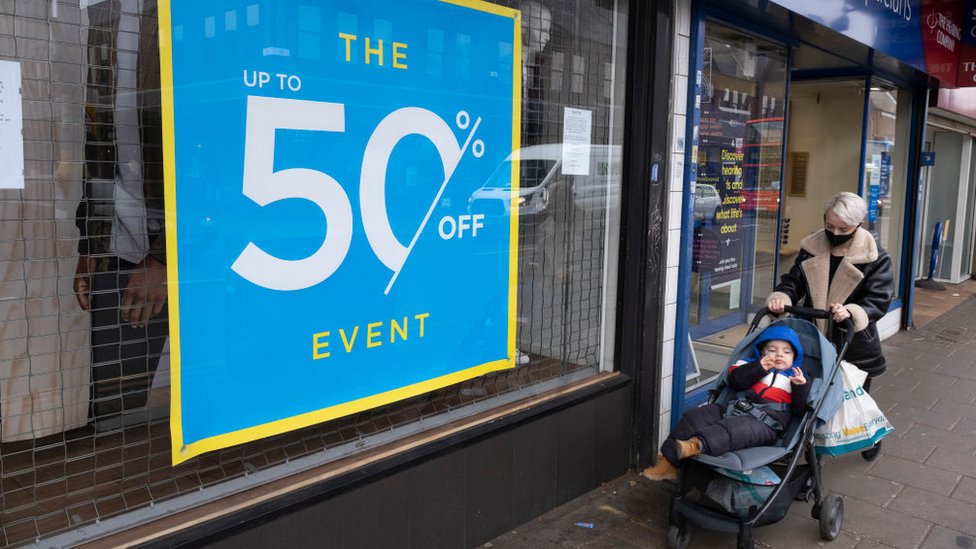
(536,171)
(541,179)
(707,202)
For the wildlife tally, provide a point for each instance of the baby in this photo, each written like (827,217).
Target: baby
(770,390)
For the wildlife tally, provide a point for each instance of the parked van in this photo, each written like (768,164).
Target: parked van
(541,177)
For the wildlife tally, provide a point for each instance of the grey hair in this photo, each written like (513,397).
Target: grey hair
(849,207)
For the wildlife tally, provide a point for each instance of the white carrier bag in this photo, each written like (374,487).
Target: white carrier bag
(858,423)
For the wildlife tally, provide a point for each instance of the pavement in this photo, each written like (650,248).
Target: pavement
(919,493)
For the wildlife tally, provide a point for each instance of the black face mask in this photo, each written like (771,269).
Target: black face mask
(837,239)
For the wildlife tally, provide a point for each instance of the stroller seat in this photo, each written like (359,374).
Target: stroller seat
(819,355)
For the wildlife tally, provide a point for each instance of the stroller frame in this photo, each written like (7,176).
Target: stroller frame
(797,482)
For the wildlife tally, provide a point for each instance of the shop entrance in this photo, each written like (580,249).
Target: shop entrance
(823,155)
(948,201)
(782,202)
(764,173)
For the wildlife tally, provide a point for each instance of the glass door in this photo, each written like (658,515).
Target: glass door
(885,167)
(736,197)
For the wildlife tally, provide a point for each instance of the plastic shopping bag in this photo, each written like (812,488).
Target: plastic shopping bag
(858,424)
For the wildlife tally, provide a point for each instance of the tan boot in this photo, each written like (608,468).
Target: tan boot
(688,448)
(662,470)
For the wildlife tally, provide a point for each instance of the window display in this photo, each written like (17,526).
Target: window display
(93,327)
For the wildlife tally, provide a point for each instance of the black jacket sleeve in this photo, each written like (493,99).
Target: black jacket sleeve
(793,283)
(746,375)
(877,288)
(800,393)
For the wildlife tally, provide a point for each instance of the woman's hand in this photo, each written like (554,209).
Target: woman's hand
(145,295)
(776,305)
(83,280)
(798,378)
(840,312)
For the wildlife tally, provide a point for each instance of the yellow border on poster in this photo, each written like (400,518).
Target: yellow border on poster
(182,452)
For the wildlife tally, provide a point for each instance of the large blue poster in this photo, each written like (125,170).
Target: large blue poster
(319,160)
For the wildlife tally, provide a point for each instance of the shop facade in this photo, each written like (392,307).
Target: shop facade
(414,274)
(948,189)
(785,104)
(263,277)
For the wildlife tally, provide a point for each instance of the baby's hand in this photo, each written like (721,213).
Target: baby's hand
(798,378)
(767,363)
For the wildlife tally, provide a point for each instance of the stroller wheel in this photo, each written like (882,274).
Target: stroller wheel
(872,453)
(831,517)
(678,539)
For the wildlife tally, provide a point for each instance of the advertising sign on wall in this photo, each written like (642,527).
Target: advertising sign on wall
(719,194)
(926,34)
(319,161)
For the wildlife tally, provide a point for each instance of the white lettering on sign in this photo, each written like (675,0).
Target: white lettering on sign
(264,185)
(945,41)
(259,79)
(947,25)
(901,7)
(946,31)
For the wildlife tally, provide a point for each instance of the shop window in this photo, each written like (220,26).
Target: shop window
(85,345)
(885,168)
(737,189)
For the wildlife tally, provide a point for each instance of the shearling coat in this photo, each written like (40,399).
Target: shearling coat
(863,283)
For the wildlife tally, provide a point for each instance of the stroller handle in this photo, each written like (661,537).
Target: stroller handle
(807,312)
(847,326)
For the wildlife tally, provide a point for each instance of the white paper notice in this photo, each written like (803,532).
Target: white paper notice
(11,127)
(577,126)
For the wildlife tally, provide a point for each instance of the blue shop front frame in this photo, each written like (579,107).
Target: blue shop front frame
(724,12)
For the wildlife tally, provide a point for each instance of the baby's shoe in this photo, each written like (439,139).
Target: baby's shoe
(662,470)
(689,448)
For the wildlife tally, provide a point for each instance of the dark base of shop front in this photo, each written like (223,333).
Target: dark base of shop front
(464,493)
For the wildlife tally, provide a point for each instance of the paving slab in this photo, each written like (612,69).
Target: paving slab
(951,460)
(888,526)
(911,473)
(942,538)
(933,437)
(935,509)
(966,491)
(904,414)
(903,446)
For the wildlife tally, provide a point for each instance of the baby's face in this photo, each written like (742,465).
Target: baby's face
(782,353)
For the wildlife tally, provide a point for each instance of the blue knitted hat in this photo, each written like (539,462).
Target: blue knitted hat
(784,333)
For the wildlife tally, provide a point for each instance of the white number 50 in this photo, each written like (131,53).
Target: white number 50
(264,186)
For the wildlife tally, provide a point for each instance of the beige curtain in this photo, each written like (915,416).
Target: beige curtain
(45,359)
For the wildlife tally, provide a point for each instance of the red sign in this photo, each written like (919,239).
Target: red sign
(941,22)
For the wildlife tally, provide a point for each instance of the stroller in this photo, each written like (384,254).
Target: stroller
(752,487)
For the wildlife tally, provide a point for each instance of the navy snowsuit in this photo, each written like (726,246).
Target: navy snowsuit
(721,433)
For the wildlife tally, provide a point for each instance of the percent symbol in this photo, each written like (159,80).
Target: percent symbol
(462,121)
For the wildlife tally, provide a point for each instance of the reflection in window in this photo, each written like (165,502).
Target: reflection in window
(885,164)
(737,189)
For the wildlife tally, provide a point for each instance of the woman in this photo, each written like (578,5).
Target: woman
(844,270)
